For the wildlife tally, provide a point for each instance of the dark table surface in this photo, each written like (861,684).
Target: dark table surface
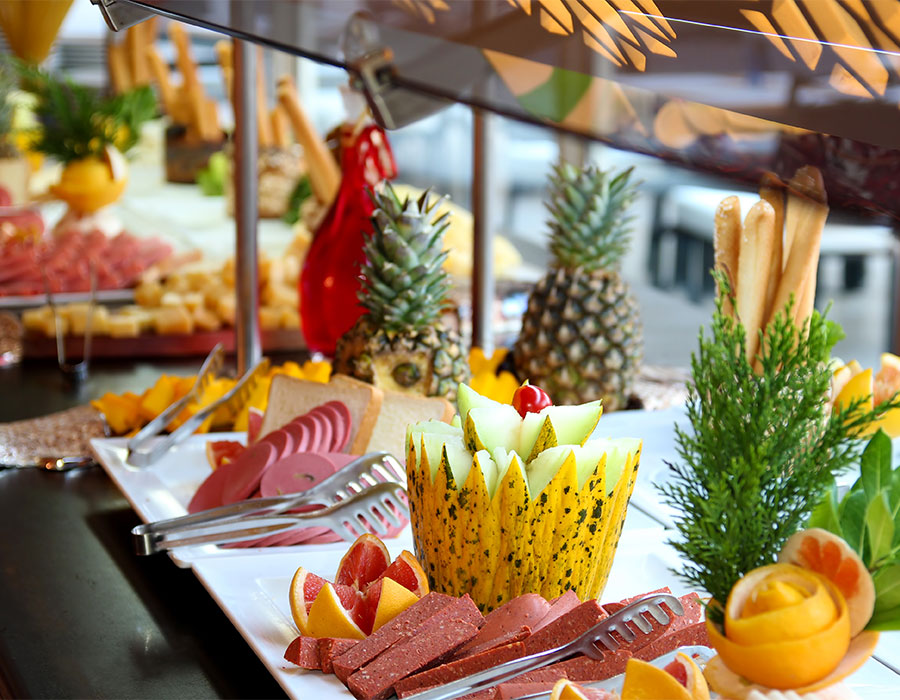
(80,614)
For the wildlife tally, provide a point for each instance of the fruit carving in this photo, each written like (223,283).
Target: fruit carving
(581,336)
(368,590)
(530,399)
(795,625)
(503,505)
(401,343)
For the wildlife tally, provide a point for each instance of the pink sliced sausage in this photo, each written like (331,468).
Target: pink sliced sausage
(209,493)
(254,423)
(295,474)
(325,432)
(339,424)
(282,441)
(525,610)
(312,431)
(340,459)
(300,433)
(246,472)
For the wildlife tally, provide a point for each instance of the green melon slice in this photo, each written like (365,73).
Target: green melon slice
(573,424)
(541,470)
(486,428)
(488,469)
(467,398)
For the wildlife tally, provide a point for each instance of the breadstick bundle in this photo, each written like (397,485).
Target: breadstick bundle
(128,64)
(773,253)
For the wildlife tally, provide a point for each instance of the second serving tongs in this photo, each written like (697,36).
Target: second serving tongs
(587,644)
(147,446)
(361,474)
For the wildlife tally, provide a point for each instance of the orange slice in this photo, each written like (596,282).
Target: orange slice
(729,684)
(644,681)
(566,690)
(791,662)
(859,387)
(329,618)
(392,601)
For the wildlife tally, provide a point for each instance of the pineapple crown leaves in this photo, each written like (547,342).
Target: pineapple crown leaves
(404,286)
(761,448)
(589,225)
(76,122)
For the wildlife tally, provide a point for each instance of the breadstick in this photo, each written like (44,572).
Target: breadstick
(161,74)
(280,127)
(211,114)
(775,197)
(225,54)
(805,301)
(754,258)
(324,173)
(119,75)
(263,122)
(726,243)
(134,41)
(804,223)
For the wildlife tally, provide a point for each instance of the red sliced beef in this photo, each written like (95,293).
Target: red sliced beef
(566,627)
(304,652)
(458,669)
(525,610)
(435,641)
(583,668)
(509,638)
(692,635)
(330,648)
(612,608)
(512,690)
(559,607)
(693,613)
(402,627)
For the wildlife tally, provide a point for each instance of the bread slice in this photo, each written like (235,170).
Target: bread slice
(290,397)
(400,410)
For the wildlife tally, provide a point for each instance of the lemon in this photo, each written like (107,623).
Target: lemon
(394,600)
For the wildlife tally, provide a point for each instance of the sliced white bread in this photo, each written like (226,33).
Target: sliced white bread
(400,410)
(290,397)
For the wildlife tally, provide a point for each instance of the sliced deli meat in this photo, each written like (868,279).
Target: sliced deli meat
(510,637)
(691,635)
(559,607)
(304,652)
(295,474)
(525,610)
(282,441)
(583,669)
(439,675)
(566,627)
(693,613)
(245,473)
(436,640)
(209,493)
(332,647)
(402,627)
(613,608)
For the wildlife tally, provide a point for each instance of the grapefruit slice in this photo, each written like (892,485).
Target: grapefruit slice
(829,555)
(254,423)
(219,452)
(644,681)
(368,591)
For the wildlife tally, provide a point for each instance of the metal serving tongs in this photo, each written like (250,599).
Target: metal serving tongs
(362,476)
(586,644)
(74,371)
(140,455)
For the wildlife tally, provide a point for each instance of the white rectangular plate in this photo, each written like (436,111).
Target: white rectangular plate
(255,599)
(164,489)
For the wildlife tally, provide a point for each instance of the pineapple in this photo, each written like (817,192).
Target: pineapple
(401,344)
(581,336)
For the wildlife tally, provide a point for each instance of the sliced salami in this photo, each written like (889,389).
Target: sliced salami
(340,459)
(295,474)
(345,419)
(340,429)
(324,431)
(209,493)
(246,472)
(300,433)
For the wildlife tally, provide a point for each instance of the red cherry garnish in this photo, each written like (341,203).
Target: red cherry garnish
(530,399)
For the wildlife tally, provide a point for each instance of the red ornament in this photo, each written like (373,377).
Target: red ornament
(329,282)
(530,399)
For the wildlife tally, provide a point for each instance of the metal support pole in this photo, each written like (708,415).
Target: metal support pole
(247,342)
(483,242)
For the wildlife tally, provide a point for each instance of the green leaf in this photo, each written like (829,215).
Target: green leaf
(885,620)
(825,515)
(887,588)
(875,467)
(853,520)
(894,496)
(880,527)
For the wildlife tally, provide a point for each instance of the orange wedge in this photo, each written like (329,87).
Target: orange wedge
(394,599)
(644,681)
(329,618)
(566,690)
(858,388)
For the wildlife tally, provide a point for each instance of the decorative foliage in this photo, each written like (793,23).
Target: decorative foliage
(762,448)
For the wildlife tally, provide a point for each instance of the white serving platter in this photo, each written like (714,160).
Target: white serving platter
(254,596)
(164,489)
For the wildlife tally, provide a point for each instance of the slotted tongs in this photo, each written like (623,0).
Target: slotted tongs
(144,448)
(362,495)
(586,644)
